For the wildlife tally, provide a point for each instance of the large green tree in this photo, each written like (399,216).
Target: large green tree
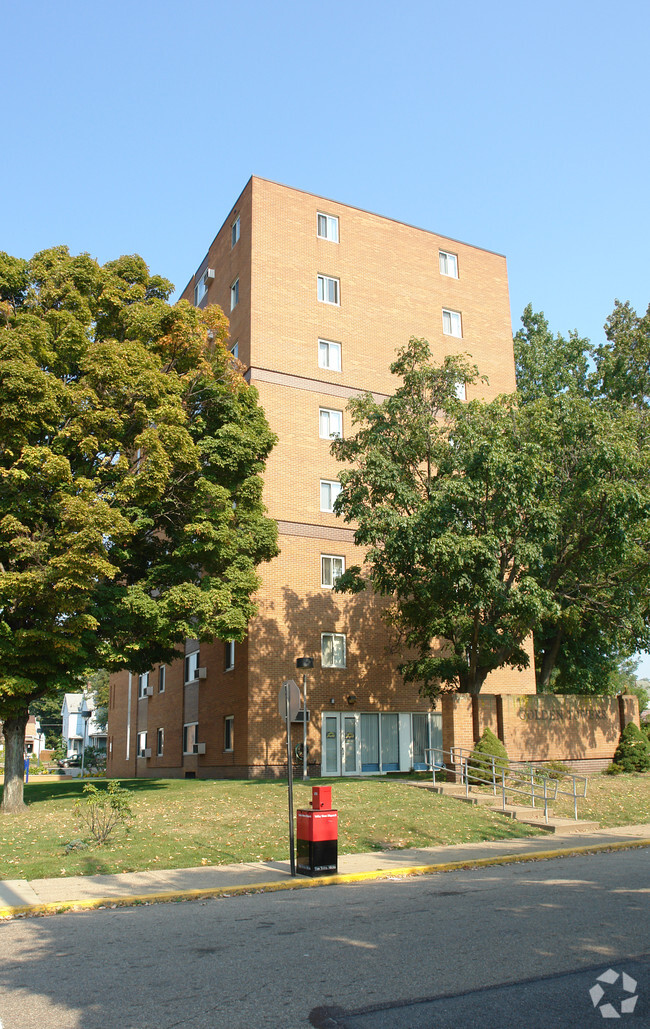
(597,562)
(484,521)
(131,456)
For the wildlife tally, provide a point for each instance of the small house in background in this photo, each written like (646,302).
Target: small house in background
(79,725)
(34,738)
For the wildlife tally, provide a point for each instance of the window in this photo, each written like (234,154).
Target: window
(162,674)
(328,290)
(143,683)
(234,231)
(330,423)
(331,568)
(448,264)
(328,227)
(329,491)
(229,732)
(234,295)
(234,350)
(451,323)
(461,391)
(191,665)
(229,663)
(329,355)
(190,737)
(201,287)
(332,650)
(142,744)
(160,740)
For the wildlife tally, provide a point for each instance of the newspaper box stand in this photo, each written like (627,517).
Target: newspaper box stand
(317,835)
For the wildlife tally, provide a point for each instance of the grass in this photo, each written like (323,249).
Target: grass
(611,800)
(184,823)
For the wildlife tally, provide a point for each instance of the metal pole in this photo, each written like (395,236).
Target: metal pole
(292,857)
(304,726)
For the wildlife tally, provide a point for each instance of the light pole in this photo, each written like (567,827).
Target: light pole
(304,663)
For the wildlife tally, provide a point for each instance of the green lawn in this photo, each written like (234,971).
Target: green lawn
(611,800)
(183,823)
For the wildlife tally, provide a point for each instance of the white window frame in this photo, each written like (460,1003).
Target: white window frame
(332,488)
(229,734)
(188,747)
(201,288)
(452,320)
(234,294)
(143,682)
(160,741)
(229,655)
(329,223)
(191,666)
(448,263)
(142,744)
(327,576)
(325,429)
(327,348)
(332,636)
(328,286)
(235,232)
(461,391)
(162,676)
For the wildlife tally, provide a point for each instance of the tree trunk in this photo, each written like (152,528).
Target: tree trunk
(549,659)
(14,734)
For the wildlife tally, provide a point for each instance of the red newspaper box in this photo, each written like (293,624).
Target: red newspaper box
(317,836)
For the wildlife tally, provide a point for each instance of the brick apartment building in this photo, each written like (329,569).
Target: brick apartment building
(319,295)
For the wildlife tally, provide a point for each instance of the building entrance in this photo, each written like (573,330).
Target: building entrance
(366,743)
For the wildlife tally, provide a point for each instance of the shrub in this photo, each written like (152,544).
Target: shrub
(488,747)
(103,811)
(633,751)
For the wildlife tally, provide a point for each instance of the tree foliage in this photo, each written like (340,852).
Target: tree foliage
(131,455)
(602,498)
(486,521)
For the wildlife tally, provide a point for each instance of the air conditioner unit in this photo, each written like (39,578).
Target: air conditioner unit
(150,691)
(299,717)
(199,748)
(147,752)
(201,673)
(209,273)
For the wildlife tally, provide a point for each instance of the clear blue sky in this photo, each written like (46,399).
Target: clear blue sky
(520,127)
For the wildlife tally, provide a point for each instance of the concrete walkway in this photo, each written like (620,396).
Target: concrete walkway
(48,896)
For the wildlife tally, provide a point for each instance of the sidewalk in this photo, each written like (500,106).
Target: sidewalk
(47,896)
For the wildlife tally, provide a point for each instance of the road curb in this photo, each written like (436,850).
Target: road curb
(217,892)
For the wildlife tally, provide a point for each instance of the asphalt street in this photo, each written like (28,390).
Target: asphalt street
(507,946)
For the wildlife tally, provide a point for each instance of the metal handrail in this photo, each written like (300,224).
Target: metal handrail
(510,780)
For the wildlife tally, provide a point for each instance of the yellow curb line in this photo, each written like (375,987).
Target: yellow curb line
(60,907)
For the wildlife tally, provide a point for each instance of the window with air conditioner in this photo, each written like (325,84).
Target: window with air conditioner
(142,744)
(143,685)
